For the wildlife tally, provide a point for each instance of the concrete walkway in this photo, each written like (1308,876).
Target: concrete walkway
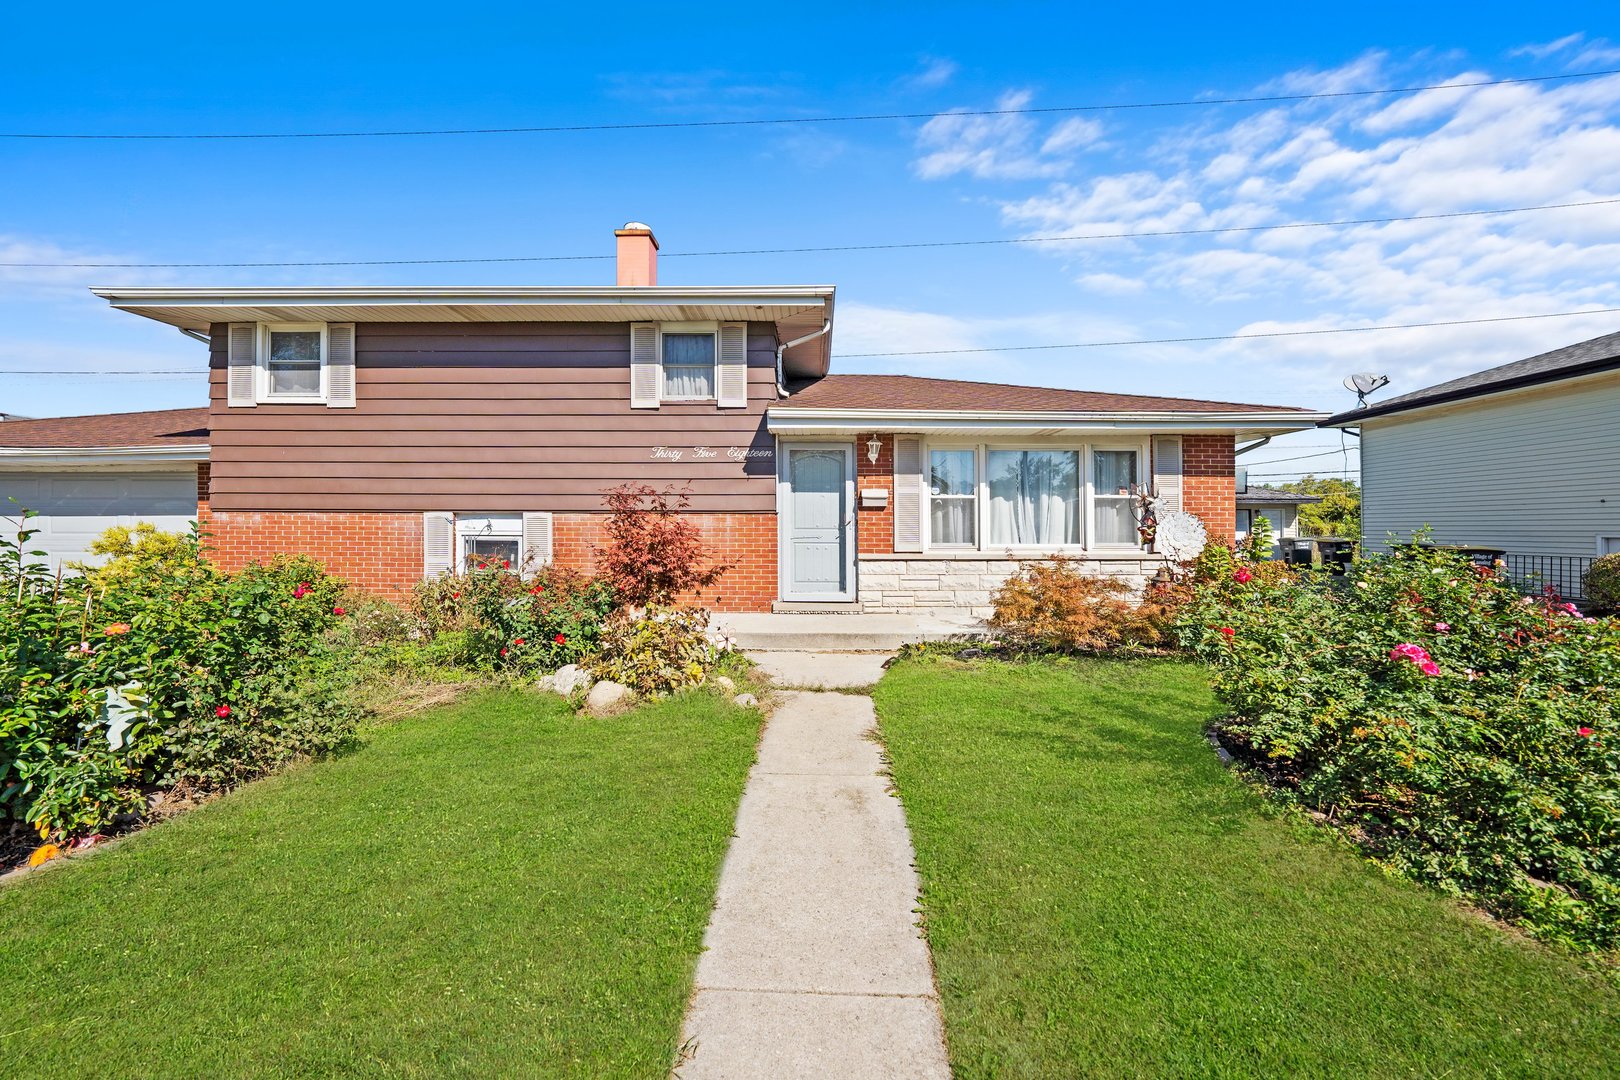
(814,966)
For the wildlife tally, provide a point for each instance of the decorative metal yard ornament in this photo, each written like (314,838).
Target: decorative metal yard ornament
(1146,508)
(1180,536)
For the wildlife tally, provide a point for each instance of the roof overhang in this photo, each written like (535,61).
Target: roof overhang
(1596,369)
(786,421)
(796,310)
(31,457)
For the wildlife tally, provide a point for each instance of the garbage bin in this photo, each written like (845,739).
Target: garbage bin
(1337,553)
(1299,550)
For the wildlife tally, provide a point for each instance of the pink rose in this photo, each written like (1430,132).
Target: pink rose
(1429,667)
(1442,628)
(1242,577)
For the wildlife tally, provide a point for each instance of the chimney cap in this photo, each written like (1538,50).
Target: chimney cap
(637,228)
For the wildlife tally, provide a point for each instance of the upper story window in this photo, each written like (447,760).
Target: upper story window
(294,362)
(688,365)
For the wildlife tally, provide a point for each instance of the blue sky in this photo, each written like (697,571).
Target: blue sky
(297,67)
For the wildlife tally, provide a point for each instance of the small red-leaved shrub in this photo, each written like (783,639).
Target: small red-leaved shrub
(653,553)
(1051,606)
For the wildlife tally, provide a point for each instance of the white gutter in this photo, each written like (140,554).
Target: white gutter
(781,352)
(12,457)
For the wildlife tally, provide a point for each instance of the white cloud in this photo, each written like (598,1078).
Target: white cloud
(1435,152)
(1576,48)
(1545,49)
(1005,146)
(934,72)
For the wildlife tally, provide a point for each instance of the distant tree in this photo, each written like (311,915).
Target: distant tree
(1339,512)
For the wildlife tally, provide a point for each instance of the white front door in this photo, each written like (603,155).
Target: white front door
(817,502)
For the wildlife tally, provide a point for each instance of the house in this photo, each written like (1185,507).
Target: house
(395,432)
(1279,507)
(83,474)
(1523,458)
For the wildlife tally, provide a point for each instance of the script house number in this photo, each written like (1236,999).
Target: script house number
(709,453)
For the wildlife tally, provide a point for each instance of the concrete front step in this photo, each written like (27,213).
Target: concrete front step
(843,633)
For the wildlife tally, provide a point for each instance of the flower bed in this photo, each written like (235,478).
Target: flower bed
(1468,736)
(158,671)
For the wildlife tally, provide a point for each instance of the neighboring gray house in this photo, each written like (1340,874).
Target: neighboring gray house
(1524,457)
(1279,507)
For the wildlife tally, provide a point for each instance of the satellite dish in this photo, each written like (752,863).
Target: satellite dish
(1364,383)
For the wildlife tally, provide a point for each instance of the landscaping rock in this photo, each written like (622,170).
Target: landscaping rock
(565,680)
(725,685)
(747,701)
(607,698)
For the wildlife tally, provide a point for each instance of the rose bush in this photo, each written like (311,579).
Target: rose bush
(1467,735)
(156,670)
(501,621)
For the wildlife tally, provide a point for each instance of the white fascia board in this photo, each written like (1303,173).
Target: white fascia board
(138,297)
(831,421)
(15,457)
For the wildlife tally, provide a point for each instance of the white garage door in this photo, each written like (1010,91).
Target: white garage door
(76,505)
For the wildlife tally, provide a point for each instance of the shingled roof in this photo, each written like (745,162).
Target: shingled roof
(164,427)
(1583,358)
(911,392)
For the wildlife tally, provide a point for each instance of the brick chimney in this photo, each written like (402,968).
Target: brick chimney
(638,254)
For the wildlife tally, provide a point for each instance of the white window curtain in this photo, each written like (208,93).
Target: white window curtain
(1034,497)
(1114,474)
(953,489)
(688,367)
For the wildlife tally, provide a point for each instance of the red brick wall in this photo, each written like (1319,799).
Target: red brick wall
(376,552)
(747,541)
(1208,488)
(874,529)
(202,491)
(382,552)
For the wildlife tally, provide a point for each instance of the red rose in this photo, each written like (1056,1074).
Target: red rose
(1585,732)
(337,611)
(503,652)
(1227,632)
(517,641)
(1242,577)
(506,564)
(223,711)
(559,639)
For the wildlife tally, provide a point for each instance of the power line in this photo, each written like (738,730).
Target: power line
(648,125)
(1027,348)
(1230,337)
(1307,457)
(835,248)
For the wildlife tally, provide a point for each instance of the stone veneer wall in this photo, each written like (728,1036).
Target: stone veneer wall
(899,584)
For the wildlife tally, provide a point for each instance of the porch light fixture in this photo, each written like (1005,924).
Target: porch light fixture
(873,445)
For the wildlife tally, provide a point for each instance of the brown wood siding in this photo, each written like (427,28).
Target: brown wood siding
(488,417)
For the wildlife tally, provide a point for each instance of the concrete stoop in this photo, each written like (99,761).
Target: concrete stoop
(799,632)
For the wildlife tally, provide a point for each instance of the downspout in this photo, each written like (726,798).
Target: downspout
(781,351)
(1240,451)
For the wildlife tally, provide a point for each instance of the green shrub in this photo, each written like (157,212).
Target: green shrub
(656,651)
(498,620)
(1467,735)
(1603,583)
(157,669)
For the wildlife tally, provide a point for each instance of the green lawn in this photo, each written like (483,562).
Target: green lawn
(1104,899)
(497,888)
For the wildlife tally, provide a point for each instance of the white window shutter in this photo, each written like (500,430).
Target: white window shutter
(438,543)
(731,366)
(646,373)
(241,362)
(1167,470)
(340,365)
(908,489)
(536,542)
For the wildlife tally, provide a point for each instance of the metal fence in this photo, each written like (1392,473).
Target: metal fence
(1565,574)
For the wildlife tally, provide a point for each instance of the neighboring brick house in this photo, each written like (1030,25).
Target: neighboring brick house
(393,432)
